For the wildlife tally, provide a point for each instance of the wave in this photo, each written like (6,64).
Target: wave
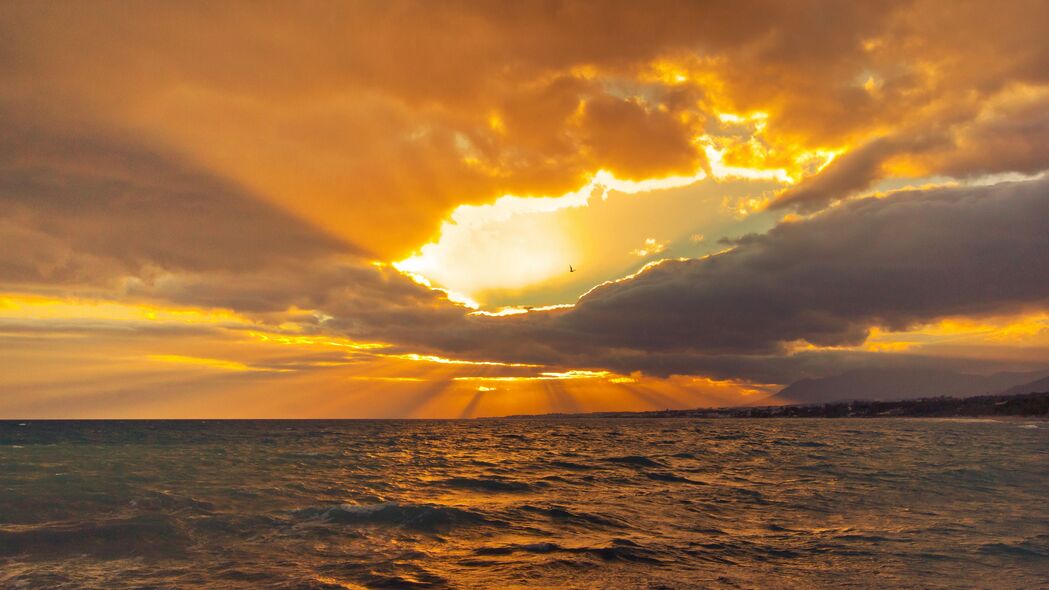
(157,501)
(149,535)
(617,550)
(1025,549)
(420,517)
(382,570)
(394,581)
(561,514)
(570,465)
(486,484)
(670,477)
(635,460)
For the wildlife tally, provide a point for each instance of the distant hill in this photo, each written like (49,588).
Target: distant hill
(1038,385)
(1030,405)
(905,383)
(1025,404)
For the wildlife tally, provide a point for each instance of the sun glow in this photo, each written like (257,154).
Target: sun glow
(470,256)
(39,307)
(315,341)
(429,358)
(508,311)
(544,376)
(518,243)
(223,364)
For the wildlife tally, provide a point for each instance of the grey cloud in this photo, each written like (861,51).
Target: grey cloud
(890,262)
(787,368)
(854,171)
(1011,139)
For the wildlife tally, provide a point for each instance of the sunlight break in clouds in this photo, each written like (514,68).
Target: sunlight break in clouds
(480,248)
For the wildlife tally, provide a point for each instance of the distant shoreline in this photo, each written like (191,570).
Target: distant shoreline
(1025,405)
(1029,406)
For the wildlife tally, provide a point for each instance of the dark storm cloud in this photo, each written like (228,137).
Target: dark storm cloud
(889,262)
(787,368)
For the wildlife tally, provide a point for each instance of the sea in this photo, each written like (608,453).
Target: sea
(525,503)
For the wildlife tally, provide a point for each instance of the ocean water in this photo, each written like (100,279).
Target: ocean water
(569,503)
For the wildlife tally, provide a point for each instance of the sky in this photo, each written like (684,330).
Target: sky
(370,209)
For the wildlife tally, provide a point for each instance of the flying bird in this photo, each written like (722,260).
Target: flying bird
(570,269)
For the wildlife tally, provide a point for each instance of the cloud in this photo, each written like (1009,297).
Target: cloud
(892,262)
(1013,136)
(1008,134)
(852,172)
(639,143)
(651,247)
(109,216)
(87,206)
(374,121)
(887,262)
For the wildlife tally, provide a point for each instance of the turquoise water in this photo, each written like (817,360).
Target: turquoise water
(570,503)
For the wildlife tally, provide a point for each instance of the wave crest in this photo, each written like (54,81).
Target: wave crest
(421,517)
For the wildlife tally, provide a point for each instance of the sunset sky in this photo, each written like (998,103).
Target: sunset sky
(369,209)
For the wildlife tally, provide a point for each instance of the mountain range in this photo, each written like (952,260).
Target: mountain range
(888,384)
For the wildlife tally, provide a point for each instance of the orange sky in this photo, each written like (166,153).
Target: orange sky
(369,209)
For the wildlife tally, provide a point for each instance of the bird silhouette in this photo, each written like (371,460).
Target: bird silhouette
(570,269)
